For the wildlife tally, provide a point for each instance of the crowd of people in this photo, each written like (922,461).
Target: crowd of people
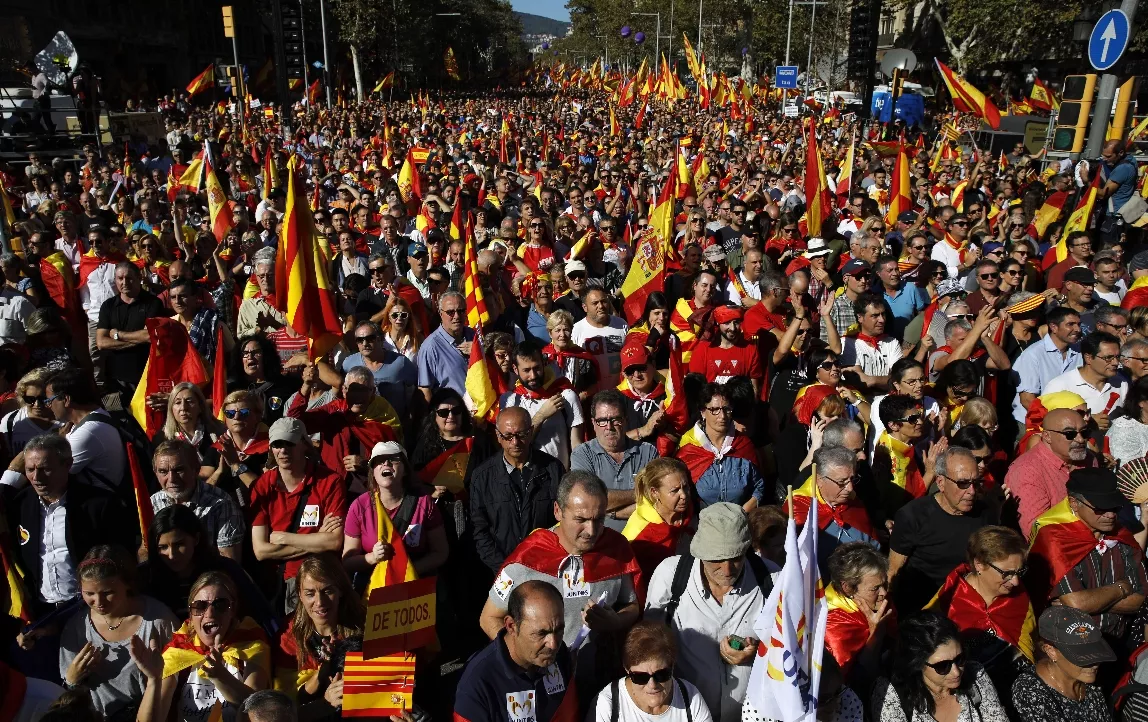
(960,386)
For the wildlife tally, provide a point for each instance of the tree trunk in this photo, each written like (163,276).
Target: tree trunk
(358,74)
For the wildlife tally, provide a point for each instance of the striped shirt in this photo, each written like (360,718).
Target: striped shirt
(219,515)
(1099,570)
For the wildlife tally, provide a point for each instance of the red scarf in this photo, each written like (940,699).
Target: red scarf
(89,262)
(1005,617)
(873,341)
(610,558)
(846,516)
(559,357)
(551,386)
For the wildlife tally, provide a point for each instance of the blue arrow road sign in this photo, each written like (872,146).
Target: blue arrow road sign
(1109,39)
(786,77)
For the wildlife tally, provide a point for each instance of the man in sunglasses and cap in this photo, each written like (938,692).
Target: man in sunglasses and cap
(1082,556)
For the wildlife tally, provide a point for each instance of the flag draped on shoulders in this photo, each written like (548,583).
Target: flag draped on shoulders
(610,558)
(698,454)
(651,537)
(1010,617)
(846,627)
(245,643)
(845,516)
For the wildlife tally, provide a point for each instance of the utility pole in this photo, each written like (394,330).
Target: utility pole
(1105,94)
(303,35)
(239,90)
(326,63)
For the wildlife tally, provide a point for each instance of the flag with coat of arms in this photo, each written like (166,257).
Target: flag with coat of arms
(783,684)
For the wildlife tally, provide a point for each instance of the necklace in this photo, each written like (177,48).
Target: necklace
(1051,671)
(117,625)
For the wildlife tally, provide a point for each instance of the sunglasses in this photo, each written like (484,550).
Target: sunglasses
(958,223)
(988,276)
(1069,434)
(381,269)
(827,365)
(946,665)
(448,412)
(963,484)
(917,248)
(1007,574)
(912,419)
(237,413)
(641,679)
(401,316)
(218,606)
(537,225)
(575,275)
(966,316)
(367,339)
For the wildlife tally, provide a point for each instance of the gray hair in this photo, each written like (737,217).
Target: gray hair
(268,705)
(384,257)
(1103,314)
(849,563)
(579,479)
(956,324)
(1132,344)
(951,453)
(834,457)
(369,324)
(954,306)
(836,430)
(264,257)
(451,294)
(52,444)
(361,373)
(771,281)
(9,259)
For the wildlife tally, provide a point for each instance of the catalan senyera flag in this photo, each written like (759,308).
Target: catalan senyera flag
(845,177)
(222,220)
(967,99)
(451,64)
(819,203)
(201,82)
(1042,97)
(378,688)
(479,380)
(398,568)
(692,59)
(386,83)
(900,186)
(302,290)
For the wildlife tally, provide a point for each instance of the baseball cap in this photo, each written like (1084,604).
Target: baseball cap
(575,266)
(723,533)
(634,354)
(387,448)
(856,267)
(1098,487)
(416,249)
(909,217)
(1080,274)
(287,429)
(1074,635)
(992,247)
(950,287)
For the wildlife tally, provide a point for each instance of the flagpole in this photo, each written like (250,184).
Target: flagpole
(789,498)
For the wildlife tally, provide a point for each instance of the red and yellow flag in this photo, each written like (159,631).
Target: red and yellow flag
(479,379)
(1010,617)
(202,81)
(222,220)
(819,203)
(648,269)
(900,186)
(615,129)
(1048,214)
(845,177)
(1042,97)
(386,83)
(60,282)
(378,688)
(967,99)
(171,360)
(451,64)
(269,178)
(302,290)
(17,593)
(398,568)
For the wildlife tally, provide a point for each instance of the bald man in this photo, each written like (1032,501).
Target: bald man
(1038,477)
(513,492)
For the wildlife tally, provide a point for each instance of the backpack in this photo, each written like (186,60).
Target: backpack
(682,579)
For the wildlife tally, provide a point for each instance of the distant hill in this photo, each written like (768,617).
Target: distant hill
(538,25)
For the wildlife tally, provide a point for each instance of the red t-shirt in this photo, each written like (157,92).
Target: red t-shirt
(719,364)
(537,258)
(273,507)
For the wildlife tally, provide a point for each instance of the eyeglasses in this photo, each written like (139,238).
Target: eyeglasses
(852,480)
(963,484)
(378,269)
(237,413)
(946,665)
(1109,358)
(966,316)
(41,401)
(453,311)
(958,223)
(520,436)
(661,676)
(388,460)
(607,421)
(400,316)
(913,419)
(1068,434)
(1007,574)
(537,225)
(719,410)
(961,393)
(828,365)
(988,276)
(445,413)
(371,338)
(199,607)
(1099,510)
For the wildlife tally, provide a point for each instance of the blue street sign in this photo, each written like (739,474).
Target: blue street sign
(786,77)
(1109,39)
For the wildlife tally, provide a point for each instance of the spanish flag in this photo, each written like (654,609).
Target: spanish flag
(808,399)
(681,327)
(581,246)
(1137,294)
(451,64)
(245,643)
(222,219)
(386,83)
(698,454)
(615,129)
(845,516)
(610,558)
(1009,617)
(819,204)
(201,82)
(648,269)
(398,568)
(1048,214)
(845,176)
(897,474)
(270,180)
(957,197)
(171,360)
(967,99)
(448,469)
(652,538)
(846,627)
(1042,97)
(1058,542)
(60,282)
(1082,214)
(7,214)
(190,180)
(17,593)
(900,187)
(685,178)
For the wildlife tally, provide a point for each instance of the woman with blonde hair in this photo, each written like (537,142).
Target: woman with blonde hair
(327,624)
(33,417)
(576,363)
(978,411)
(244,445)
(218,656)
(659,528)
(189,419)
(402,332)
(1138,322)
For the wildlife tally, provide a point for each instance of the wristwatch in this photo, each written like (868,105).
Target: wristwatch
(239,469)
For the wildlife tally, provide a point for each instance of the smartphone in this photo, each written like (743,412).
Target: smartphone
(736,643)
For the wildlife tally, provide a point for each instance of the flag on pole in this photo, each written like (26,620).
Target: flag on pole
(302,290)
(900,186)
(1081,215)
(398,568)
(202,81)
(386,83)
(818,200)
(1042,97)
(269,179)
(451,64)
(479,379)
(845,177)
(222,219)
(615,129)
(648,269)
(171,360)
(967,99)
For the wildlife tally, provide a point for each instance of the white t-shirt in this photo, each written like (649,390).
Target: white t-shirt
(605,343)
(933,411)
(873,361)
(629,712)
(1114,297)
(553,436)
(1100,401)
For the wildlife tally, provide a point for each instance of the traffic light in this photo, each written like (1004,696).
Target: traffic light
(1125,94)
(897,84)
(233,79)
(1075,107)
(862,54)
(291,23)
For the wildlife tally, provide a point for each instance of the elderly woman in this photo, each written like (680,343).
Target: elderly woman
(649,690)
(413,514)
(1062,686)
(659,527)
(218,656)
(573,361)
(722,461)
(907,377)
(327,624)
(189,419)
(985,599)
(33,417)
(860,612)
(243,447)
(932,679)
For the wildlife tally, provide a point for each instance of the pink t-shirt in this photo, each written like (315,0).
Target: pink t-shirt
(362,523)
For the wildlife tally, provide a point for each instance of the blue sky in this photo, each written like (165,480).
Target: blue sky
(549,8)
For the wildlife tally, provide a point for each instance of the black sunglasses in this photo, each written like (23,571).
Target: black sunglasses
(237,413)
(41,401)
(827,365)
(946,665)
(912,419)
(661,676)
(1007,574)
(200,607)
(963,484)
(1069,434)
(447,413)
(371,338)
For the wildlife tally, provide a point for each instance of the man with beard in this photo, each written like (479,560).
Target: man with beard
(177,469)
(553,405)
(589,563)
(1038,477)
(730,356)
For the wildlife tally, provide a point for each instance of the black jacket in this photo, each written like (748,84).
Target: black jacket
(93,517)
(502,513)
